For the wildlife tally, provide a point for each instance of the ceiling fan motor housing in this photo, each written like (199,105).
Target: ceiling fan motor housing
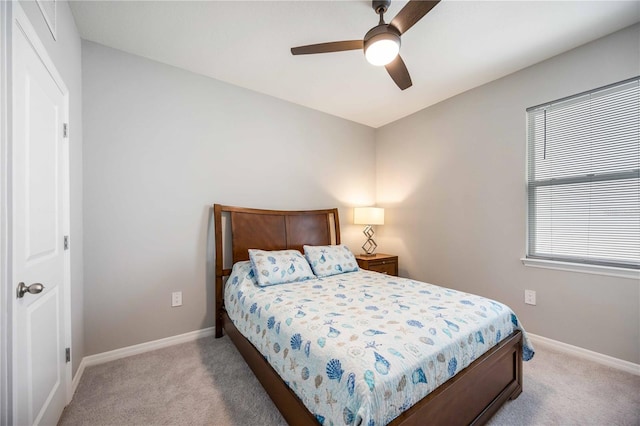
(380,32)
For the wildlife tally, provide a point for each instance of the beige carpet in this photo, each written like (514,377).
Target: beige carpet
(206,382)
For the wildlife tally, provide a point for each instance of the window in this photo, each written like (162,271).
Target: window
(583,179)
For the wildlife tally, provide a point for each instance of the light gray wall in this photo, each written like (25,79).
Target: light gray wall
(452,177)
(65,52)
(163,144)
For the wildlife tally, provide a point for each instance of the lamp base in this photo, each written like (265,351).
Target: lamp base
(369,246)
(367,255)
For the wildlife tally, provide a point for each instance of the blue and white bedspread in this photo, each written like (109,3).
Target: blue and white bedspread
(360,348)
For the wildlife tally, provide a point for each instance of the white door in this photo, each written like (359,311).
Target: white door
(38,198)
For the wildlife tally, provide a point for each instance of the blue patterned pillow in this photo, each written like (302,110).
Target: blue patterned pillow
(330,260)
(279,267)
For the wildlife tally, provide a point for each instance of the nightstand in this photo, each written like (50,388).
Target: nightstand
(384,263)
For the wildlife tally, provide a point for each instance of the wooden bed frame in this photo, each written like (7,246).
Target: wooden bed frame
(470,397)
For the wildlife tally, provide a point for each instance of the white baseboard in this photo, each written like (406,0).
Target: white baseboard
(77,377)
(113,355)
(597,357)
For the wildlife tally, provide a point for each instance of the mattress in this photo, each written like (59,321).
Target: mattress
(359,348)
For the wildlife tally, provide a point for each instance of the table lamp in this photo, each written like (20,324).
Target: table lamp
(368,216)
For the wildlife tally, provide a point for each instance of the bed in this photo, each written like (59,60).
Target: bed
(476,389)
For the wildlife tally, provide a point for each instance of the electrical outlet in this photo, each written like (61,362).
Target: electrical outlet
(530,297)
(176,299)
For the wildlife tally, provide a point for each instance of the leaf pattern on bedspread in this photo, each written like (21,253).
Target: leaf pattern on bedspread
(361,347)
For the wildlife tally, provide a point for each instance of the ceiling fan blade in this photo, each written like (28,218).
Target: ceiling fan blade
(334,46)
(399,73)
(411,13)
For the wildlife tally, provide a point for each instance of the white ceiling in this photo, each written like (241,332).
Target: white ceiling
(457,46)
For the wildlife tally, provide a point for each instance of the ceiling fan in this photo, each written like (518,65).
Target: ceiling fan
(381,43)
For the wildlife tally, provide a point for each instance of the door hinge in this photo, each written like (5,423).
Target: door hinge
(67,353)
(65,130)
(66,242)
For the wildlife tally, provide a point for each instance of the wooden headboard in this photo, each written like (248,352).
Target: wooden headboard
(268,230)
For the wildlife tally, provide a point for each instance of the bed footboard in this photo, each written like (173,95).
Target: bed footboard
(475,394)
(471,397)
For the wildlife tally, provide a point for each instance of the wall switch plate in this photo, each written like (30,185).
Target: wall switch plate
(176,299)
(530,297)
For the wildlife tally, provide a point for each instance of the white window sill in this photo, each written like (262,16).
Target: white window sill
(611,271)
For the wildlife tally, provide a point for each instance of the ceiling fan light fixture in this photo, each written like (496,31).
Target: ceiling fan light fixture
(382,52)
(381,45)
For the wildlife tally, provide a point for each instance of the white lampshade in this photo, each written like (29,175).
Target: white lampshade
(368,216)
(382,51)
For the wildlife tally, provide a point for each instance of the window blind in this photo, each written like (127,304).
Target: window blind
(583,178)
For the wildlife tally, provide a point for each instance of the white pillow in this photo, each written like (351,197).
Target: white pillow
(279,267)
(330,260)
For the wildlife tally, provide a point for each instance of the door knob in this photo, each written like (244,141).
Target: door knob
(34,288)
